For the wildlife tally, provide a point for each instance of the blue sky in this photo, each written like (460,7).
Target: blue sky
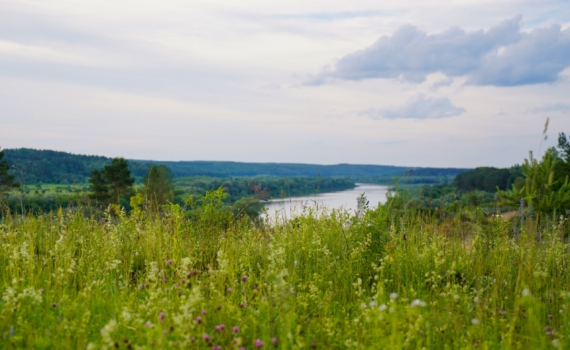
(440,83)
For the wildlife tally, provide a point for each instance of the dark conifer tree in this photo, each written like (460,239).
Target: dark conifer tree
(112,183)
(157,185)
(6,179)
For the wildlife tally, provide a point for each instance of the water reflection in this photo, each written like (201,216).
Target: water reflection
(286,208)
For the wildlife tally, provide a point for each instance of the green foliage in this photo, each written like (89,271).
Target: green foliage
(61,167)
(251,207)
(157,185)
(542,189)
(389,279)
(487,179)
(274,187)
(112,183)
(6,179)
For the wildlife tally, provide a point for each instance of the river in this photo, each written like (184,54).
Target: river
(288,207)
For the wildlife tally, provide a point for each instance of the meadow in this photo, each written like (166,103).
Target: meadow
(392,278)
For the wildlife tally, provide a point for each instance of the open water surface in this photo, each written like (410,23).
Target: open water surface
(289,207)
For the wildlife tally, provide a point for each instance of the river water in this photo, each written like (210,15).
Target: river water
(289,207)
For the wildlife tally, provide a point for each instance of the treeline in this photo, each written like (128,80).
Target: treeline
(114,184)
(44,166)
(270,187)
(488,179)
(539,185)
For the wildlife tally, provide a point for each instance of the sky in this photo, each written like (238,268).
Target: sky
(438,83)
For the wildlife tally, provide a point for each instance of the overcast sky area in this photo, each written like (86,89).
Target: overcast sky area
(416,83)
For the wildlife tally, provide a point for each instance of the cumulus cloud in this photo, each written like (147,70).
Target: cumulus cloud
(557,107)
(417,107)
(500,56)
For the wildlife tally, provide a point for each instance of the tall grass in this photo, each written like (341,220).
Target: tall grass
(387,279)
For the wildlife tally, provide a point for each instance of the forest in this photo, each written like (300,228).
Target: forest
(52,167)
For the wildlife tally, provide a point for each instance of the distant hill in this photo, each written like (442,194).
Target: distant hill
(62,167)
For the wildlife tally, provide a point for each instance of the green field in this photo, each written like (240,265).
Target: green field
(393,278)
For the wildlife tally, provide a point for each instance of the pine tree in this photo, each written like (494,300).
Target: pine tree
(118,176)
(112,183)
(6,180)
(99,187)
(157,185)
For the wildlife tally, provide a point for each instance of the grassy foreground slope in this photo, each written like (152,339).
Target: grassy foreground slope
(389,279)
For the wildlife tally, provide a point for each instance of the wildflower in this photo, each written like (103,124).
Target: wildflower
(235,329)
(393,296)
(216,347)
(418,302)
(54,304)
(165,332)
(192,339)
(244,278)
(219,308)
(198,320)
(42,290)
(219,328)
(525,292)
(372,303)
(140,286)
(161,316)
(382,307)
(148,325)
(206,337)
(169,262)
(475,321)
(204,312)
(165,280)
(241,305)
(363,305)
(274,341)
(258,343)
(229,290)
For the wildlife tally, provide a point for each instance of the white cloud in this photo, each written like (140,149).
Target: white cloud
(500,56)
